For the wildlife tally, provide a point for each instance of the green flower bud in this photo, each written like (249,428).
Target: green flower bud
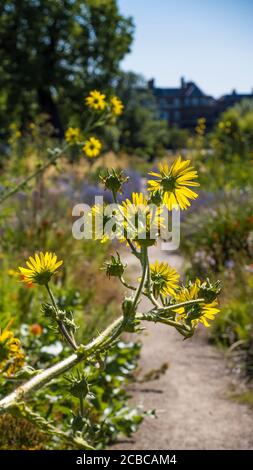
(79,386)
(114,180)
(156,198)
(48,310)
(114,268)
(209,291)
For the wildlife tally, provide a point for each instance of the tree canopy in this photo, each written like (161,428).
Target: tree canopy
(54,51)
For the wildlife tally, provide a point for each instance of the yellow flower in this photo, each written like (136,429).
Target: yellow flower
(172,183)
(11,355)
(142,222)
(96,100)
(40,269)
(92,147)
(198,312)
(117,106)
(164,279)
(73,135)
(12,273)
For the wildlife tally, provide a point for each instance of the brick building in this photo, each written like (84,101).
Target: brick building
(183,106)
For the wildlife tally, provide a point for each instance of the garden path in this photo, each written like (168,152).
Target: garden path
(191,398)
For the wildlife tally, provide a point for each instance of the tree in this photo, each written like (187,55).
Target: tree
(142,132)
(53,51)
(233,134)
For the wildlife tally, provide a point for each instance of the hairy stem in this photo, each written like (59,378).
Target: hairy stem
(143,277)
(69,338)
(182,304)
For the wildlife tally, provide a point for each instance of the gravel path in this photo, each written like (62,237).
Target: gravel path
(191,398)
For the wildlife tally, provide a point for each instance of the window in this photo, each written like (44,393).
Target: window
(176,102)
(195,101)
(164,115)
(162,102)
(177,115)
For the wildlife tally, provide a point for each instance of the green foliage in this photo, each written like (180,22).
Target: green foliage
(224,157)
(233,134)
(177,139)
(233,327)
(234,324)
(221,234)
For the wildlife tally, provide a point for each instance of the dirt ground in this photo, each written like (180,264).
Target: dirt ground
(191,399)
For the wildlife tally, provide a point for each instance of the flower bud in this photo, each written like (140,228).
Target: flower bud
(209,291)
(79,388)
(113,180)
(156,198)
(114,268)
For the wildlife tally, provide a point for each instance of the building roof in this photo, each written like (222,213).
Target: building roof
(167,91)
(187,89)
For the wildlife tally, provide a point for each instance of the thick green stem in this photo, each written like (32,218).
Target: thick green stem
(149,289)
(143,277)
(182,304)
(166,321)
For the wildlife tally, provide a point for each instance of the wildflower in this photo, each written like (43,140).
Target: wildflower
(117,106)
(164,279)
(142,221)
(92,147)
(173,182)
(40,269)
(196,313)
(11,355)
(114,180)
(36,329)
(114,268)
(96,100)
(73,135)
(12,273)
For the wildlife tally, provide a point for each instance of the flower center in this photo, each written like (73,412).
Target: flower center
(168,183)
(159,280)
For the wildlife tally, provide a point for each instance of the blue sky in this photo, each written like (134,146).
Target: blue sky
(207,41)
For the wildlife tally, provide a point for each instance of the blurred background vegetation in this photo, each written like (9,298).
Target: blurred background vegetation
(52,54)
